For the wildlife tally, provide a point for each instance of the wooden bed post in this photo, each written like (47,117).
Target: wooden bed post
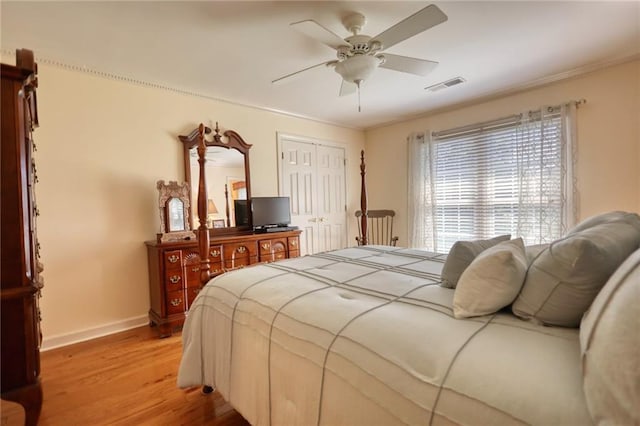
(203,230)
(363,200)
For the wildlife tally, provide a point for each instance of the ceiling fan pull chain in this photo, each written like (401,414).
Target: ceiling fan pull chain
(358,84)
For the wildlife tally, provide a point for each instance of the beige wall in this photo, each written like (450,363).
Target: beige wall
(608,169)
(102,145)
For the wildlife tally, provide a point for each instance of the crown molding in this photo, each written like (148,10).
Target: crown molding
(138,82)
(520,88)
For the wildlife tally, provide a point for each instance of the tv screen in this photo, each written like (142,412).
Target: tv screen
(241,212)
(270,211)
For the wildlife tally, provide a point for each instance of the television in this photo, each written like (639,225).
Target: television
(241,212)
(270,212)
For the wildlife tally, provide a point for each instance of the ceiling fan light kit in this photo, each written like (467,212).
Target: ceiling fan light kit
(359,55)
(358,68)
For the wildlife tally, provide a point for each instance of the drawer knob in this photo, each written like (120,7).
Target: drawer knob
(196,290)
(294,243)
(176,302)
(215,253)
(173,258)
(265,246)
(241,249)
(195,269)
(175,279)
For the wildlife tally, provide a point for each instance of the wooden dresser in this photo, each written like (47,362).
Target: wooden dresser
(20,275)
(174,269)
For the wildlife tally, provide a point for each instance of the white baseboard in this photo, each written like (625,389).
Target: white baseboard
(52,342)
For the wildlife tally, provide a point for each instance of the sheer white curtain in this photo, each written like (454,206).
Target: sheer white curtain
(421,203)
(570,152)
(512,175)
(547,194)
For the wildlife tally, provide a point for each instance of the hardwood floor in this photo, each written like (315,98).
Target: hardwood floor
(127,378)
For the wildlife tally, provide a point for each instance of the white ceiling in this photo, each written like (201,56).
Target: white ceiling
(233,50)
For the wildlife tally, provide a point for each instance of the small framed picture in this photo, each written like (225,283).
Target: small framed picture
(218,223)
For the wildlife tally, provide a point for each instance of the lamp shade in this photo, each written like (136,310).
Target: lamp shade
(211,207)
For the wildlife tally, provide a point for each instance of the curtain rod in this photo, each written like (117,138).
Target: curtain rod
(503,120)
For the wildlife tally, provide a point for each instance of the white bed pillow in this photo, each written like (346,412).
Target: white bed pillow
(492,281)
(564,278)
(614,216)
(610,348)
(533,252)
(461,255)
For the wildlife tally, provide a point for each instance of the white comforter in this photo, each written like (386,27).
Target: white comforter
(365,336)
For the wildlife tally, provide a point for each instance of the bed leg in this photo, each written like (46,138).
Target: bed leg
(207,389)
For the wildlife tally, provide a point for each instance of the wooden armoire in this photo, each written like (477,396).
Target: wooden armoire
(21,279)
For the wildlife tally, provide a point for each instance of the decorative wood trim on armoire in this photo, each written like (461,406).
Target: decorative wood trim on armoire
(20,277)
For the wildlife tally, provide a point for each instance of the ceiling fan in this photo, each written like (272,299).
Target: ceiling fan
(359,55)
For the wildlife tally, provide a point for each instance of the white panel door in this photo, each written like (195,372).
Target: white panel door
(313,176)
(331,214)
(298,181)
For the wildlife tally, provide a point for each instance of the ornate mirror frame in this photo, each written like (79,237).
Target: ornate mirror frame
(233,141)
(174,224)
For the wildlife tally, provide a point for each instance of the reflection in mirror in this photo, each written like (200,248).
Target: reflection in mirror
(237,189)
(225,183)
(227,177)
(175,213)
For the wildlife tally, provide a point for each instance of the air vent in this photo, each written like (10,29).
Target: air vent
(445,84)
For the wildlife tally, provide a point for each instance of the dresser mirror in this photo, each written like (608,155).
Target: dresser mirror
(227,175)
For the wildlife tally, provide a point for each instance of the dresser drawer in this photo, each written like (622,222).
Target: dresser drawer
(173,259)
(264,247)
(294,253)
(294,244)
(174,280)
(215,254)
(216,267)
(239,255)
(193,272)
(193,275)
(239,262)
(272,250)
(191,260)
(175,302)
(216,259)
(192,292)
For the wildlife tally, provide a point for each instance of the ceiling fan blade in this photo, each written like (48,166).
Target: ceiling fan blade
(318,32)
(420,21)
(409,65)
(280,80)
(347,88)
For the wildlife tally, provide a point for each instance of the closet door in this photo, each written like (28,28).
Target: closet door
(331,204)
(313,176)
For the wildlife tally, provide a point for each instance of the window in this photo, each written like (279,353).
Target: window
(509,176)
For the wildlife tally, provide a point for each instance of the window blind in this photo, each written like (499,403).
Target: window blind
(499,177)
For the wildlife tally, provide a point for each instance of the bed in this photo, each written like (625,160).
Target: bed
(366,335)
